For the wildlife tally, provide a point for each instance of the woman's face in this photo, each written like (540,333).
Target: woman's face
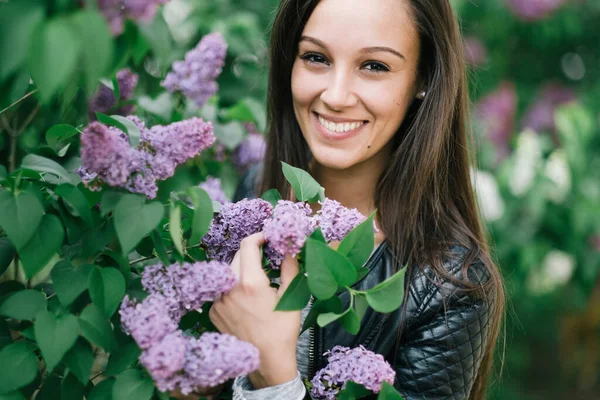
(354,77)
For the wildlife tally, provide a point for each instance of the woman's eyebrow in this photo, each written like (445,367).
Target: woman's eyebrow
(367,50)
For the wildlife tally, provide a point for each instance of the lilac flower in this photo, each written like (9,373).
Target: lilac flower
(358,365)
(496,112)
(147,322)
(533,10)
(475,51)
(200,282)
(336,221)
(165,358)
(235,222)
(104,99)
(176,143)
(117,11)
(249,152)
(215,358)
(287,230)
(157,280)
(196,76)
(540,115)
(213,187)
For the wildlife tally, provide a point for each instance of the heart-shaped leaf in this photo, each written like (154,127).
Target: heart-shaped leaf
(305,187)
(272,196)
(388,295)
(102,391)
(325,257)
(59,135)
(23,305)
(388,392)
(296,296)
(69,282)
(7,254)
(96,328)
(175,227)
(131,384)
(203,213)
(76,201)
(122,358)
(134,220)
(45,165)
(43,245)
(80,360)
(55,336)
(21,216)
(107,289)
(19,366)
(358,244)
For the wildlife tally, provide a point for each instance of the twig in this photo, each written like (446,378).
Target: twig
(138,260)
(20,100)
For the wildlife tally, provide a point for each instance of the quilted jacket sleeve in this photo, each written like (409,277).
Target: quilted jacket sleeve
(439,355)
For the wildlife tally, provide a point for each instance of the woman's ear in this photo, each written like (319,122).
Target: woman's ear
(421,94)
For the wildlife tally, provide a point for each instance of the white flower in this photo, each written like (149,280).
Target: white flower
(488,196)
(557,170)
(557,270)
(526,160)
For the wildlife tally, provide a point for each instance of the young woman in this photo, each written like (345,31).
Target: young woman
(371,98)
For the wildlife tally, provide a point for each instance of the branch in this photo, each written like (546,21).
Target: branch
(20,100)
(138,260)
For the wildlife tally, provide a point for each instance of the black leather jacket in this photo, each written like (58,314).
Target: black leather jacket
(444,330)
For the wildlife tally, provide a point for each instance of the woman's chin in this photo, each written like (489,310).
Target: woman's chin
(338,160)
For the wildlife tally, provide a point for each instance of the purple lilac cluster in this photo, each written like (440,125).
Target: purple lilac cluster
(250,151)
(107,157)
(196,75)
(540,115)
(148,322)
(213,187)
(475,51)
(289,227)
(336,221)
(496,112)
(533,10)
(104,100)
(117,11)
(234,222)
(358,365)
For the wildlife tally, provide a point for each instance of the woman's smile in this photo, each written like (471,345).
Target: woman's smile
(337,128)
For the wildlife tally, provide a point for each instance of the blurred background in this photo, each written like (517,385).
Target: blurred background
(534,68)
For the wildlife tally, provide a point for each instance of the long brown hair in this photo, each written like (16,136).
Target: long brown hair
(436,206)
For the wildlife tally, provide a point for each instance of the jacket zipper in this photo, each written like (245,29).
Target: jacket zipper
(311,347)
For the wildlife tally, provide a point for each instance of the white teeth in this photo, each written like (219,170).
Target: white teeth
(339,128)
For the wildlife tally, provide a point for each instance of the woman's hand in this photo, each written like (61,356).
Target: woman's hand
(248,312)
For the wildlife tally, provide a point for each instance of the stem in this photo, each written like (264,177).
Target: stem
(138,260)
(20,100)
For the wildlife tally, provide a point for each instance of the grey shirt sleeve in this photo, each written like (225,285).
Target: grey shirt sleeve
(292,390)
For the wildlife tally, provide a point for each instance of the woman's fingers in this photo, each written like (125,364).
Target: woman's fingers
(289,270)
(251,271)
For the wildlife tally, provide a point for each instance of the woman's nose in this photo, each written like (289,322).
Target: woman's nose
(338,94)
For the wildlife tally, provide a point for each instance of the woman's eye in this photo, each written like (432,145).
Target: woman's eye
(314,58)
(376,66)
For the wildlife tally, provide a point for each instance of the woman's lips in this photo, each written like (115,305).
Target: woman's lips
(330,135)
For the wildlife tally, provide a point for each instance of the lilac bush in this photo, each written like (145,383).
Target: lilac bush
(533,10)
(540,114)
(289,227)
(250,151)
(358,365)
(336,221)
(195,76)
(148,322)
(117,11)
(104,99)
(213,188)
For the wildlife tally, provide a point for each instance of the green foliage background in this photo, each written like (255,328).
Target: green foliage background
(551,346)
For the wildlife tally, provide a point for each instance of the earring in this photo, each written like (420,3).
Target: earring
(421,95)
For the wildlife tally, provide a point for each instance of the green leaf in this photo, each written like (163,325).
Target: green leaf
(59,135)
(123,358)
(14,396)
(388,392)
(21,216)
(230,134)
(350,321)
(3,173)
(69,282)
(248,110)
(160,248)
(359,243)
(107,289)
(53,56)
(111,121)
(296,296)
(102,391)
(71,388)
(43,245)
(353,391)
(361,273)
(158,36)
(76,201)
(18,22)
(134,220)
(360,305)
(161,106)
(203,213)
(321,282)
(175,227)
(80,360)
(96,328)
(318,235)
(23,305)
(132,129)
(45,165)
(132,385)
(388,295)
(272,196)
(55,336)
(7,254)
(109,202)
(5,337)
(332,305)
(327,318)
(98,49)
(306,188)
(22,366)
(324,257)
